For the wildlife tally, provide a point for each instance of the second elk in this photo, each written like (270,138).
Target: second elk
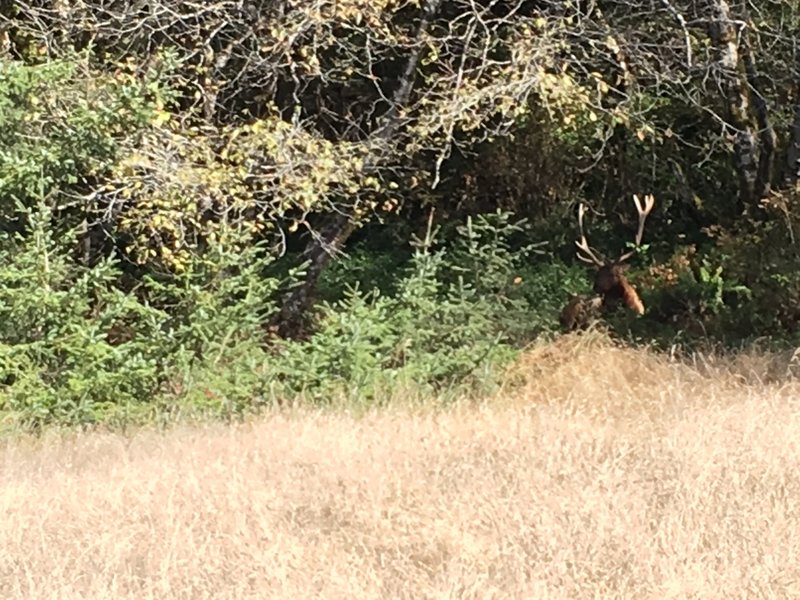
(611,286)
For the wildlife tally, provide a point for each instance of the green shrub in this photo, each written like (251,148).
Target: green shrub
(218,307)
(59,360)
(61,124)
(364,266)
(739,289)
(77,349)
(458,313)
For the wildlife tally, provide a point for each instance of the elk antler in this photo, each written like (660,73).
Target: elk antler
(588,255)
(643,210)
(610,283)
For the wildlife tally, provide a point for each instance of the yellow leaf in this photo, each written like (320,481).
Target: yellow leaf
(161,117)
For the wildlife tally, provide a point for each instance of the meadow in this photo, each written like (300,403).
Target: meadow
(597,471)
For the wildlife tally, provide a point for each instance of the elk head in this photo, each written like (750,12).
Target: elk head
(610,282)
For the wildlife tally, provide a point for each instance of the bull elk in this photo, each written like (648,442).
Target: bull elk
(610,284)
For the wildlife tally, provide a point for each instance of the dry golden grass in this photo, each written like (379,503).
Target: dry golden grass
(604,472)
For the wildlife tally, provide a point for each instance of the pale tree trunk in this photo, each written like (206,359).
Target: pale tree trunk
(332,235)
(754,149)
(766,134)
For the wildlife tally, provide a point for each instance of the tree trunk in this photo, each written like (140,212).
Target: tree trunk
(326,243)
(724,33)
(766,134)
(332,236)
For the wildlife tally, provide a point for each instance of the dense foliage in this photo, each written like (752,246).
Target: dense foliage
(216,206)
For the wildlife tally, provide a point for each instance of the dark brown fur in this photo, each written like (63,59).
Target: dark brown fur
(610,283)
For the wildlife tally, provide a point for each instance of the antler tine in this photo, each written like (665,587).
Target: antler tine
(649,203)
(643,210)
(583,245)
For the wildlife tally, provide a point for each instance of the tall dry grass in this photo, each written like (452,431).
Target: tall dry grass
(601,472)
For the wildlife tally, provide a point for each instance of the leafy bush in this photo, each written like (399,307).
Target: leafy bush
(61,123)
(366,266)
(77,349)
(59,356)
(459,311)
(741,286)
(218,307)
